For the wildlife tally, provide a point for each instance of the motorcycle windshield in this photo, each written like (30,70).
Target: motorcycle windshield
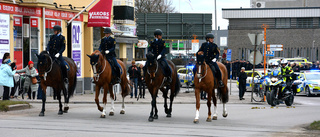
(275,73)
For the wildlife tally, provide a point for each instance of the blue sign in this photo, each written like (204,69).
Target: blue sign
(229,55)
(270,53)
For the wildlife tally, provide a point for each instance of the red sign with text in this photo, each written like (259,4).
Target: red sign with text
(64,15)
(19,10)
(17,21)
(51,23)
(34,22)
(100,14)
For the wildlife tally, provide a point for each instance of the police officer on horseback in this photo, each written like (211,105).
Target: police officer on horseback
(158,48)
(211,54)
(107,48)
(56,47)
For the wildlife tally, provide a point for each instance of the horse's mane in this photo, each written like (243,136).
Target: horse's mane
(96,52)
(44,53)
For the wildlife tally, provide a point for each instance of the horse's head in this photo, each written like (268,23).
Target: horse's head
(96,59)
(152,66)
(200,63)
(44,62)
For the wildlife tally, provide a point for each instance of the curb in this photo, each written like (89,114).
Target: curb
(18,107)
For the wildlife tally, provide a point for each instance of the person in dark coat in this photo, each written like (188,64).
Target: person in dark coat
(134,75)
(141,82)
(242,83)
(56,47)
(248,66)
(228,68)
(236,68)
(107,48)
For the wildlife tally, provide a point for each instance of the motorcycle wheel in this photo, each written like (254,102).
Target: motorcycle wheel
(268,97)
(289,100)
(273,94)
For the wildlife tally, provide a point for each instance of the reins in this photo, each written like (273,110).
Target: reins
(155,71)
(205,73)
(95,75)
(50,69)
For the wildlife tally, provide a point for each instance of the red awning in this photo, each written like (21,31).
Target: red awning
(100,14)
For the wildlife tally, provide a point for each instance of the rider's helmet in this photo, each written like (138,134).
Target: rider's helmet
(107,30)
(57,28)
(284,63)
(157,32)
(209,35)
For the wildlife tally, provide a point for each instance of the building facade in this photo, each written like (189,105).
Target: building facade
(284,3)
(296,28)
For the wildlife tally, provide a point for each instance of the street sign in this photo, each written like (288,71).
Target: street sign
(275,47)
(229,51)
(254,40)
(270,53)
(258,57)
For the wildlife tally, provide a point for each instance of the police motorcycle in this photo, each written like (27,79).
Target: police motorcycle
(277,89)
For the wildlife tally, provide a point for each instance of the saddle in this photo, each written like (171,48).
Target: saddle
(114,67)
(66,63)
(162,65)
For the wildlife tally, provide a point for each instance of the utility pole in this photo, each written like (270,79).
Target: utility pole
(264,42)
(215,16)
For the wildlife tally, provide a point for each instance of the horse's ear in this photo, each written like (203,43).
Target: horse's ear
(89,56)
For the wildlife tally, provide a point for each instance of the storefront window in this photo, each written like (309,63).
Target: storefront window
(34,36)
(96,38)
(49,28)
(17,34)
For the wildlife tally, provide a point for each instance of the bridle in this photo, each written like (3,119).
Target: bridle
(154,71)
(199,72)
(48,71)
(95,75)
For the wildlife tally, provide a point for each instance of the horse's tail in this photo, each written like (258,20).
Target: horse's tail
(223,94)
(73,86)
(177,85)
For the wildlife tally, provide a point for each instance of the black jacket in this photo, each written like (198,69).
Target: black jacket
(242,78)
(210,51)
(108,43)
(56,44)
(157,47)
(133,73)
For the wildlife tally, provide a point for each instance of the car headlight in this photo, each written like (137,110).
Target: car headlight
(273,80)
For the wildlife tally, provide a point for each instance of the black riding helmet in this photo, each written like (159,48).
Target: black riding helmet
(157,32)
(57,28)
(107,30)
(209,35)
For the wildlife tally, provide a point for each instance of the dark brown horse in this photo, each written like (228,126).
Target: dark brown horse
(155,80)
(102,75)
(51,75)
(204,81)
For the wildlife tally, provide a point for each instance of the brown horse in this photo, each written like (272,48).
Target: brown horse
(204,81)
(51,75)
(155,80)
(102,78)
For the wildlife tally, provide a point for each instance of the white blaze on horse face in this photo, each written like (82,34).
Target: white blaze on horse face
(199,72)
(197,115)
(94,69)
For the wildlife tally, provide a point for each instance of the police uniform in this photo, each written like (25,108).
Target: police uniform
(109,43)
(158,47)
(211,51)
(57,44)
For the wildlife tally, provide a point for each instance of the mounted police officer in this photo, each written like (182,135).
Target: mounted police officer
(211,53)
(107,48)
(56,47)
(158,48)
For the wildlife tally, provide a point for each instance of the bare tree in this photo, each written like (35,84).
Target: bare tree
(154,6)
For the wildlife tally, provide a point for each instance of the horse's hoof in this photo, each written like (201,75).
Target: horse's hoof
(41,114)
(150,119)
(214,118)
(196,121)
(111,113)
(168,115)
(225,115)
(103,116)
(60,112)
(122,112)
(65,110)
(209,120)
(155,117)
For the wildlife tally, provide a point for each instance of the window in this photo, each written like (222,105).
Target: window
(283,23)
(304,22)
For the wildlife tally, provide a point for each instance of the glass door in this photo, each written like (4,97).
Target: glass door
(17,34)
(34,39)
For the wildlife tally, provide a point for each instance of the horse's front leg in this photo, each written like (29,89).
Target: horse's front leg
(97,98)
(66,101)
(60,112)
(215,112)
(197,94)
(44,98)
(165,97)
(209,106)
(112,97)
(104,100)
(153,103)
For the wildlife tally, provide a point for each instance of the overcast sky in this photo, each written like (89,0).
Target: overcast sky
(207,6)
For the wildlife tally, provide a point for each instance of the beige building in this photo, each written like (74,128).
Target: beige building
(28,25)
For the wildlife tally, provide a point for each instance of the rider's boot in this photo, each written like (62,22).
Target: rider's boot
(65,74)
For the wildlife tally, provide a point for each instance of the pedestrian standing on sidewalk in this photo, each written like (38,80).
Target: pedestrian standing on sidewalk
(141,82)
(134,75)
(6,78)
(242,83)
(30,80)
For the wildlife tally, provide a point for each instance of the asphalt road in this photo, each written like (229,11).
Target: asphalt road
(83,120)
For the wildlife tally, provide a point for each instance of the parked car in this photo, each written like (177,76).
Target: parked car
(310,83)
(185,76)
(259,73)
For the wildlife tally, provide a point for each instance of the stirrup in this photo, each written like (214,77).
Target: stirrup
(66,80)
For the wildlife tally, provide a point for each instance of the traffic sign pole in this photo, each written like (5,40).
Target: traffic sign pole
(265,26)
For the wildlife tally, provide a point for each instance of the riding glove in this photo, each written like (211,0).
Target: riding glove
(57,55)
(107,51)
(158,57)
(214,60)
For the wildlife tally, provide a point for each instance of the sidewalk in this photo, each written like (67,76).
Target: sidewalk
(184,97)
